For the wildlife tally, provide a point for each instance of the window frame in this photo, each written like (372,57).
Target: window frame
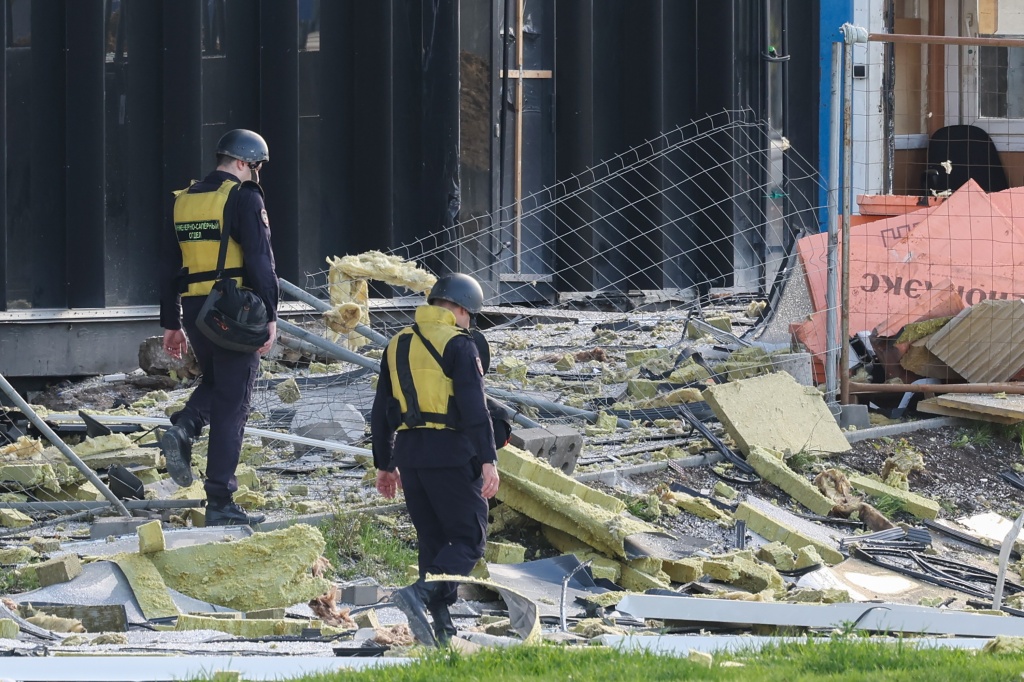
(961,84)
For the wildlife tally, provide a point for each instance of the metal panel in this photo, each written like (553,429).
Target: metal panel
(136,135)
(41,245)
(182,98)
(333,156)
(279,118)
(4,259)
(85,153)
(865,616)
(370,112)
(574,117)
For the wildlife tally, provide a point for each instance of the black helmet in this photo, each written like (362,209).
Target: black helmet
(459,289)
(244,145)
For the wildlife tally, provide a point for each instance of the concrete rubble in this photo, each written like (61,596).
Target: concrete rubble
(771,528)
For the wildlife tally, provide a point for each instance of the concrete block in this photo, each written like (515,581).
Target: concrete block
(12,518)
(59,570)
(327,420)
(9,629)
(796,365)
(568,444)
(151,538)
(921,507)
(504,553)
(114,525)
(360,595)
(539,441)
(776,412)
(853,415)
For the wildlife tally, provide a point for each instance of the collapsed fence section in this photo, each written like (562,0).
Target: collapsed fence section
(928,210)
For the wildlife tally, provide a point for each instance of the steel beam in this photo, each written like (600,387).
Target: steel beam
(873,617)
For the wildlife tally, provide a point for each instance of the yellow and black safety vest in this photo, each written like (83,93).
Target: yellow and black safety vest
(198,221)
(424,392)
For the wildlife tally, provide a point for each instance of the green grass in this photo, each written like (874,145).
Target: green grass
(888,505)
(366,545)
(842,660)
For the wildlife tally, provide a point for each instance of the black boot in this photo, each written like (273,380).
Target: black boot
(444,628)
(227,513)
(412,601)
(176,446)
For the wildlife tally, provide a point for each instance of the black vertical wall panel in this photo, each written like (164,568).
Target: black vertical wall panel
(383,117)
(279,117)
(335,153)
(676,35)
(574,115)
(143,120)
(182,99)
(48,180)
(643,62)
(439,139)
(370,105)
(410,84)
(802,115)
(242,54)
(4,258)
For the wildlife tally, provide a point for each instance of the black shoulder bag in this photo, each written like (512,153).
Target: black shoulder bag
(232,318)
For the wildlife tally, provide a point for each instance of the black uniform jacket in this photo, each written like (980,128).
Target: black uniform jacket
(251,230)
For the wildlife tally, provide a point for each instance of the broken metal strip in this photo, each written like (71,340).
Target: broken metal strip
(703,430)
(45,429)
(964,538)
(885,617)
(89,506)
(262,433)
(941,581)
(557,408)
(1004,560)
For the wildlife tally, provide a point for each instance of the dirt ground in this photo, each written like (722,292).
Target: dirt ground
(962,466)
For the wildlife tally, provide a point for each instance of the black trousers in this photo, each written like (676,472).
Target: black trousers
(221,401)
(450,516)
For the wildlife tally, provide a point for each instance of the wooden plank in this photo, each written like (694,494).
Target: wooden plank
(1011,406)
(931,406)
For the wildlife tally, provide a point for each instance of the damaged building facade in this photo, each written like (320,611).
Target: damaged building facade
(390,122)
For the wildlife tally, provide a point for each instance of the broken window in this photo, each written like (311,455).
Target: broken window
(1001,82)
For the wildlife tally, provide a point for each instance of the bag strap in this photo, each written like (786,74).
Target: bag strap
(225,230)
(430,347)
